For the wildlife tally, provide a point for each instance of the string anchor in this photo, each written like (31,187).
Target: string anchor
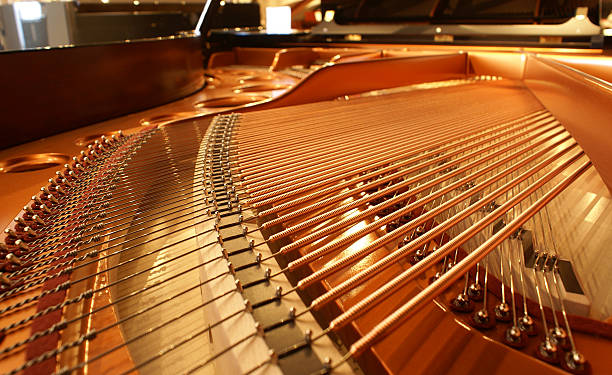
(527,325)
(548,351)
(475,291)
(419,255)
(575,362)
(503,313)
(514,337)
(482,319)
(560,336)
(462,303)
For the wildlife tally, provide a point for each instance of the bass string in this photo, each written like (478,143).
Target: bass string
(441,284)
(438,137)
(430,260)
(464,195)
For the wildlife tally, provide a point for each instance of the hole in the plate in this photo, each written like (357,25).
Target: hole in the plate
(155,120)
(32,162)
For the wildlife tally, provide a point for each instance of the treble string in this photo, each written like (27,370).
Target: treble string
(41,264)
(91,292)
(95,252)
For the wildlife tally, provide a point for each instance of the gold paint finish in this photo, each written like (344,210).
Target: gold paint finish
(261,87)
(156,120)
(230,101)
(257,78)
(32,162)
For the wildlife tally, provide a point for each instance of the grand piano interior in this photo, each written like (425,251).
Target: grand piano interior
(418,188)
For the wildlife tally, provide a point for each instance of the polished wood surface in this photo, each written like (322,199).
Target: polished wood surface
(47,92)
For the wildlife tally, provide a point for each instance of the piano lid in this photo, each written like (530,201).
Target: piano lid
(460,11)
(574,23)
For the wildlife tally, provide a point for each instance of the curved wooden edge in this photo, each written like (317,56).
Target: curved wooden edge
(597,65)
(580,102)
(355,77)
(243,56)
(335,80)
(52,91)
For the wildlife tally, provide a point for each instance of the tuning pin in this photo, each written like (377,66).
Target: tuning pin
(50,198)
(548,351)
(14,259)
(44,209)
(482,319)
(62,180)
(308,336)
(18,248)
(403,242)
(37,200)
(43,199)
(91,152)
(514,337)
(5,282)
(8,267)
(417,232)
(100,147)
(30,233)
(11,234)
(46,191)
(461,303)
(22,246)
(58,189)
(28,211)
(327,363)
(82,159)
(73,176)
(260,329)
(503,312)
(78,167)
(68,167)
(21,222)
